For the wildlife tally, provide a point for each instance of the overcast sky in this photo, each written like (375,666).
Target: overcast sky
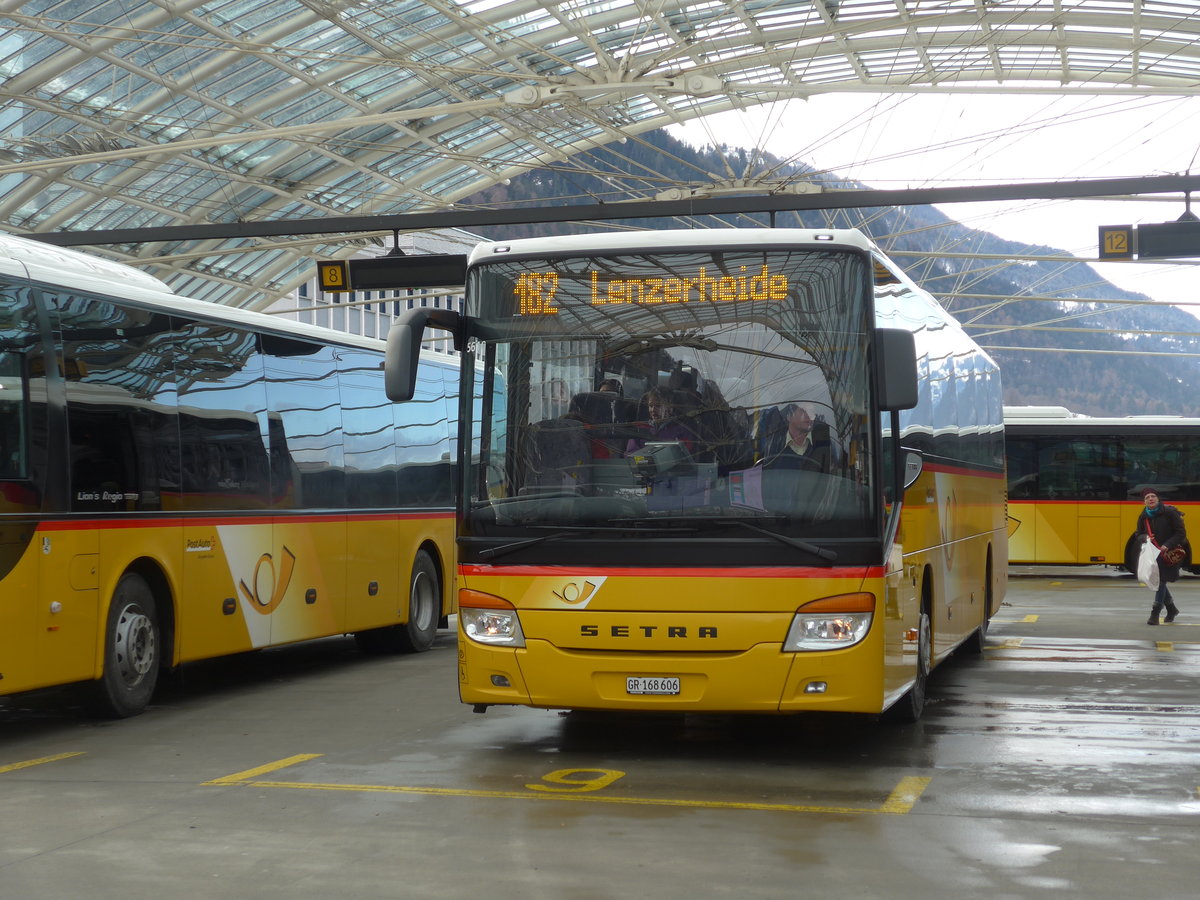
(927,140)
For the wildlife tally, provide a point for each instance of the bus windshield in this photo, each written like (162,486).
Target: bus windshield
(686,390)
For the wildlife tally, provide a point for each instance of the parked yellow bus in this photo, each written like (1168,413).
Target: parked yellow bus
(1075,482)
(819,526)
(180,480)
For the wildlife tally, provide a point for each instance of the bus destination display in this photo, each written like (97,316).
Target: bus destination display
(538,293)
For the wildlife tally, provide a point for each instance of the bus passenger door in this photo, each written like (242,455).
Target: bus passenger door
(1100,489)
(27,466)
(375,592)
(1100,537)
(1056,513)
(308,495)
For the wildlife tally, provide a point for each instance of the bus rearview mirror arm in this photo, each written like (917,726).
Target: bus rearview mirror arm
(404,347)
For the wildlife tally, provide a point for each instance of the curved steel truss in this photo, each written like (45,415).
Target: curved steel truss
(119,114)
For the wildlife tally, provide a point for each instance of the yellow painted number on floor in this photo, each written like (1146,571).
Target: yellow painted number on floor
(571,782)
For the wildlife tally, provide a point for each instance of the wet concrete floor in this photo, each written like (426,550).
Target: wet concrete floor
(1063,762)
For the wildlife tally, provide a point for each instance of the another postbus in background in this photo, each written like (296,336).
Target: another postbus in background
(1075,482)
(181,480)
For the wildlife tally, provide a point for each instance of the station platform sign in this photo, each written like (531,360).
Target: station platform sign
(1160,240)
(432,270)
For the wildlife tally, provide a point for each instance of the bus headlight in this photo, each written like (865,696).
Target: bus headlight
(486,619)
(831,623)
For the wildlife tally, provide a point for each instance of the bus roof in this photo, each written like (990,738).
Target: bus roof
(671,239)
(48,264)
(36,255)
(1032,417)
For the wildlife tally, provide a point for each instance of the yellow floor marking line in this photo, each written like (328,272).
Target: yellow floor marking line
(1030,618)
(12,767)
(245,777)
(906,795)
(1164,646)
(899,802)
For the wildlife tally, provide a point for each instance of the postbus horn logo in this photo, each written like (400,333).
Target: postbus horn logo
(279,581)
(574,593)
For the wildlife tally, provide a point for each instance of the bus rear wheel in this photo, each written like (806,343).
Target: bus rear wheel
(424,612)
(1133,548)
(131,652)
(976,644)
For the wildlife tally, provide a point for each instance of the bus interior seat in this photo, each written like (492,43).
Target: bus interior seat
(557,452)
(770,424)
(605,416)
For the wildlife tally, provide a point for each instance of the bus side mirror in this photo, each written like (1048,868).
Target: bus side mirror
(403,352)
(896,368)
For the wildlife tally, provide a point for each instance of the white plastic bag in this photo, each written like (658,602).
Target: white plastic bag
(1148,565)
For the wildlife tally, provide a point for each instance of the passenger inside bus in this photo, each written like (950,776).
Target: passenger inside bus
(664,423)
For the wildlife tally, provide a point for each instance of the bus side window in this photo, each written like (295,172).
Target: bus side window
(12,419)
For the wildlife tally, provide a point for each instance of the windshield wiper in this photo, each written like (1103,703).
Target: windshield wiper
(799,544)
(493,552)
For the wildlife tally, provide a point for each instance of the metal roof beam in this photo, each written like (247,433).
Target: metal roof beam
(696,206)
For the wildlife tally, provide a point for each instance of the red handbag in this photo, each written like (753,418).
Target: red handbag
(1173,556)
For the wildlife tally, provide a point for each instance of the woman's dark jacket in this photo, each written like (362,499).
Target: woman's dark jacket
(1168,530)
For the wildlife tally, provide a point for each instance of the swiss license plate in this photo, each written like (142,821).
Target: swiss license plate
(658,684)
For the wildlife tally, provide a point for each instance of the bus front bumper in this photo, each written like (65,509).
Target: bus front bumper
(761,679)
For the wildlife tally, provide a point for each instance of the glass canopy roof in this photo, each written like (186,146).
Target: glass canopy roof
(116,114)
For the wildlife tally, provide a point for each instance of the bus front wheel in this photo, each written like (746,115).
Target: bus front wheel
(131,652)
(910,707)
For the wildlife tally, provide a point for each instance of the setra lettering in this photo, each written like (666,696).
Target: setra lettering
(649,631)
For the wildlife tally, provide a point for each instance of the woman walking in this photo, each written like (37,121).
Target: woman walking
(1163,526)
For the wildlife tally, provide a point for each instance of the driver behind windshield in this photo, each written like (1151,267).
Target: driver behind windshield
(798,439)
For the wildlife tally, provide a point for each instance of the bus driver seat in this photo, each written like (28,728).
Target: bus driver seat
(557,453)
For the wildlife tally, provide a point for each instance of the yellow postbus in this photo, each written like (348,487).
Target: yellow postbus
(1075,482)
(716,471)
(180,480)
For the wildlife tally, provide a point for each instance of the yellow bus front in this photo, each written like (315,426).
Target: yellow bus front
(707,641)
(679,479)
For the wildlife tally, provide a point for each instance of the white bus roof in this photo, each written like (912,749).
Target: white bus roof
(669,239)
(1060,415)
(47,264)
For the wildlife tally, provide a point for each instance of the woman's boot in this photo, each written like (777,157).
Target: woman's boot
(1172,612)
(1154,611)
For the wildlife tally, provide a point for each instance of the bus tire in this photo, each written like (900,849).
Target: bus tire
(131,652)
(909,708)
(424,614)
(1133,548)
(977,642)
